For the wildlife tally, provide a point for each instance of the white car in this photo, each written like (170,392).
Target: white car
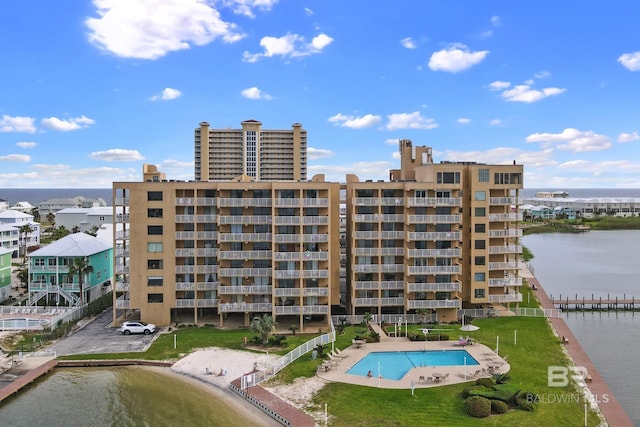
(137,328)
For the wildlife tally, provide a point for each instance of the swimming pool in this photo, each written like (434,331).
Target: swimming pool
(395,364)
(22,323)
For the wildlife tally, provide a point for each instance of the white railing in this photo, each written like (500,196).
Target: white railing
(435,201)
(244,219)
(385,285)
(246,290)
(504,266)
(435,287)
(513,281)
(505,298)
(245,272)
(434,219)
(435,235)
(245,237)
(435,269)
(505,200)
(244,255)
(507,249)
(433,303)
(516,216)
(434,253)
(244,307)
(513,232)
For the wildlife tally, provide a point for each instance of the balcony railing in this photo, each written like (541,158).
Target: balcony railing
(122,218)
(512,232)
(504,266)
(244,290)
(122,253)
(512,281)
(122,201)
(505,200)
(185,235)
(206,201)
(383,285)
(184,218)
(435,269)
(207,218)
(315,220)
(505,298)
(245,272)
(435,201)
(315,274)
(378,218)
(122,287)
(372,302)
(122,303)
(435,235)
(244,255)
(433,303)
(434,219)
(315,238)
(207,235)
(48,268)
(287,309)
(244,307)
(507,249)
(434,253)
(506,217)
(208,302)
(379,235)
(244,219)
(287,274)
(286,220)
(234,202)
(435,287)
(244,237)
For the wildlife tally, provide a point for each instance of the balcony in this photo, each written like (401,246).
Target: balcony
(244,290)
(379,234)
(315,202)
(315,220)
(435,269)
(315,238)
(435,287)
(434,219)
(210,252)
(435,235)
(185,252)
(49,268)
(511,232)
(245,272)
(243,307)
(184,201)
(246,255)
(206,218)
(504,266)
(434,303)
(120,269)
(122,252)
(366,268)
(374,302)
(505,217)
(122,235)
(244,237)
(502,298)
(208,302)
(505,201)
(122,201)
(185,303)
(185,235)
(507,249)
(366,251)
(434,253)
(184,218)
(122,303)
(392,251)
(512,281)
(244,219)
(286,220)
(287,309)
(207,235)
(315,309)
(236,202)
(378,218)
(122,287)
(122,218)
(315,274)
(435,201)
(206,201)
(286,238)
(287,274)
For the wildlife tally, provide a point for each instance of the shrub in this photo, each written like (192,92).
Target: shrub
(432,338)
(525,400)
(444,337)
(501,378)
(477,407)
(499,407)
(485,382)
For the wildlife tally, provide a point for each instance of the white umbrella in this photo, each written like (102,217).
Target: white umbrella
(469,328)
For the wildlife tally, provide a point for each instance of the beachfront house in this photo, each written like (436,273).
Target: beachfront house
(16,220)
(10,239)
(49,270)
(542,212)
(564,212)
(25,207)
(5,273)
(84,219)
(4,205)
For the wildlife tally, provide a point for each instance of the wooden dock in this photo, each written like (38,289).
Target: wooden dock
(27,379)
(601,303)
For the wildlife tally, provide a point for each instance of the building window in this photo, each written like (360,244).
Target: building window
(478,277)
(154,264)
(154,281)
(480,260)
(39,262)
(478,293)
(480,244)
(154,247)
(481,212)
(483,175)
(480,228)
(481,196)
(52,262)
(154,195)
(448,178)
(155,298)
(99,275)
(154,213)
(154,230)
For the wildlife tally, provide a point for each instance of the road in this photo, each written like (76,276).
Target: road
(98,336)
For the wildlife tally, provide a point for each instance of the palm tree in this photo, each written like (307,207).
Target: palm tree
(25,230)
(80,268)
(51,219)
(263,326)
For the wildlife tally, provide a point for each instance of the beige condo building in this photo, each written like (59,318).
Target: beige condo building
(261,154)
(435,238)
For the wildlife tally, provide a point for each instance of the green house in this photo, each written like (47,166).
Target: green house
(5,273)
(49,270)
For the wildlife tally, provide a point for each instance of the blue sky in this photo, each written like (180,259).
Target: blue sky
(91,91)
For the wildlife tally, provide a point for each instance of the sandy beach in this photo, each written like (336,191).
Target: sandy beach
(236,363)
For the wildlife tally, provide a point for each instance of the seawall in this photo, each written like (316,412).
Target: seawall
(610,407)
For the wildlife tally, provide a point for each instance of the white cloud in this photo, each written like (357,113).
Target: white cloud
(524,93)
(628,137)
(495,122)
(67,125)
(26,145)
(542,75)
(455,58)
(630,61)
(288,46)
(17,158)
(599,168)
(245,7)
(308,11)
(354,122)
(496,21)
(502,156)
(167,95)
(117,155)
(395,155)
(318,153)
(393,141)
(65,176)
(499,85)
(573,140)
(255,93)
(413,120)
(17,124)
(463,121)
(408,42)
(151,29)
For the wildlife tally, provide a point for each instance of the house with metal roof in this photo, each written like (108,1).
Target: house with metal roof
(84,218)
(49,270)
(5,273)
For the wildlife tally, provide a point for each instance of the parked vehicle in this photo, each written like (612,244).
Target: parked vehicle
(137,328)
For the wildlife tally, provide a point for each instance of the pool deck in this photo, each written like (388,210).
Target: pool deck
(483,355)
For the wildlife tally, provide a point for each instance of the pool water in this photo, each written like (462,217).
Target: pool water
(395,364)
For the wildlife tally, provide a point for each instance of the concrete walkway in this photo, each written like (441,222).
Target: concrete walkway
(611,409)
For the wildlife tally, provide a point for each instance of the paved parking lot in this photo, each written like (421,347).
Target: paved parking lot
(99,337)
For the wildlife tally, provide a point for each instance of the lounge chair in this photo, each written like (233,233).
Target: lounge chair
(339,353)
(335,354)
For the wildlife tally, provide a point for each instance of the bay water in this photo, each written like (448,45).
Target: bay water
(598,263)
